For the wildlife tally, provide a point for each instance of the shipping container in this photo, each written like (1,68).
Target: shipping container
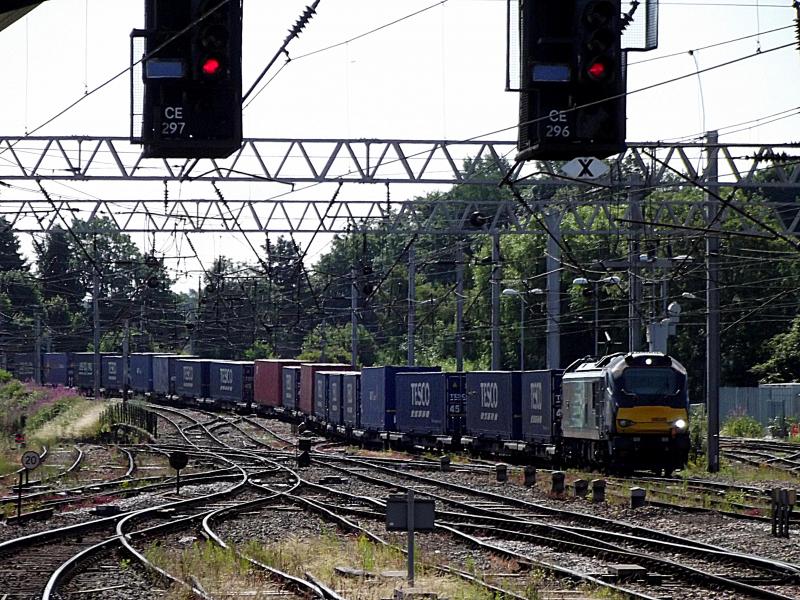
(305,403)
(192,378)
(164,373)
(268,386)
(140,372)
(83,370)
(291,387)
(336,395)
(111,375)
(541,397)
(321,381)
(231,382)
(421,403)
(351,399)
(378,395)
(56,369)
(22,365)
(493,404)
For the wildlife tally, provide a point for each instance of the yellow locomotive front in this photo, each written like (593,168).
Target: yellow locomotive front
(650,403)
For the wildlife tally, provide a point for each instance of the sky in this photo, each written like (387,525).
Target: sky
(439,74)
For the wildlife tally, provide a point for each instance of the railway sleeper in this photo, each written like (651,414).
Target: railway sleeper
(611,552)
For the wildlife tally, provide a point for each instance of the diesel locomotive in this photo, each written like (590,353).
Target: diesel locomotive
(628,411)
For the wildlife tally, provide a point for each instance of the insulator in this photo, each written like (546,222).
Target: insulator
(797,24)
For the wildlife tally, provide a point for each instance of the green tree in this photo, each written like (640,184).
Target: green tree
(53,265)
(285,301)
(330,343)
(19,302)
(10,253)
(226,316)
(783,362)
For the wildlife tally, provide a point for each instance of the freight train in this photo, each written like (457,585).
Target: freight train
(619,412)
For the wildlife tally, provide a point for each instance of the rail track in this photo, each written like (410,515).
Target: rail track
(243,465)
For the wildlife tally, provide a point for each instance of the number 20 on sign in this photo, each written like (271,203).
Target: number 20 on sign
(30,460)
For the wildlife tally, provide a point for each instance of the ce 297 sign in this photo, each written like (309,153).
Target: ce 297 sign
(172,123)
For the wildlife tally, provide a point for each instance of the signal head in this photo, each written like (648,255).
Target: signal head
(211,67)
(598,70)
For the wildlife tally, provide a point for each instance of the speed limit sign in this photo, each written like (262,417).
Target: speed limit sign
(31,460)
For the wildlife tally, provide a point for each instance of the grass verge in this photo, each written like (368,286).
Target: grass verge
(221,572)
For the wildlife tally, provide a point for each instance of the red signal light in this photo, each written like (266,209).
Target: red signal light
(597,70)
(211,67)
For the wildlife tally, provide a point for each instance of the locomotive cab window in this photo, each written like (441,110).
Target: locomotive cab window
(651,384)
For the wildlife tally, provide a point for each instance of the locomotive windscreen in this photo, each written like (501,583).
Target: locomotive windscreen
(650,382)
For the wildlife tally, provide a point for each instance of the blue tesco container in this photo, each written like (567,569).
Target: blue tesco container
(378,402)
(192,378)
(421,403)
(539,390)
(231,381)
(493,404)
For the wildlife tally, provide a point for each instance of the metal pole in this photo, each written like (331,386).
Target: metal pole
(521,332)
(353,319)
(495,285)
(596,319)
(460,307)
(96,332)
(410,520)
(19,499)
(412,307)
(634,282)
(125,358)
(37,355)
(712,304)
(553,330)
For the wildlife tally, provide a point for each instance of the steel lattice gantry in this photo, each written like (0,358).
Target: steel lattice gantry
(287,185)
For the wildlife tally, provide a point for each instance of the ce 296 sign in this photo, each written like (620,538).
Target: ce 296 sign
(557,125)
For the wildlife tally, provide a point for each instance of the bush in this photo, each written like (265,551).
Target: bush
(698,431)
(50,412)
(743,426)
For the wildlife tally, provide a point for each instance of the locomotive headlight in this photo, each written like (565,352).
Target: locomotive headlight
(680,424)
(624,422)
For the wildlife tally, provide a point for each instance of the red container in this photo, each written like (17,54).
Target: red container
(268,389)
(307,370)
